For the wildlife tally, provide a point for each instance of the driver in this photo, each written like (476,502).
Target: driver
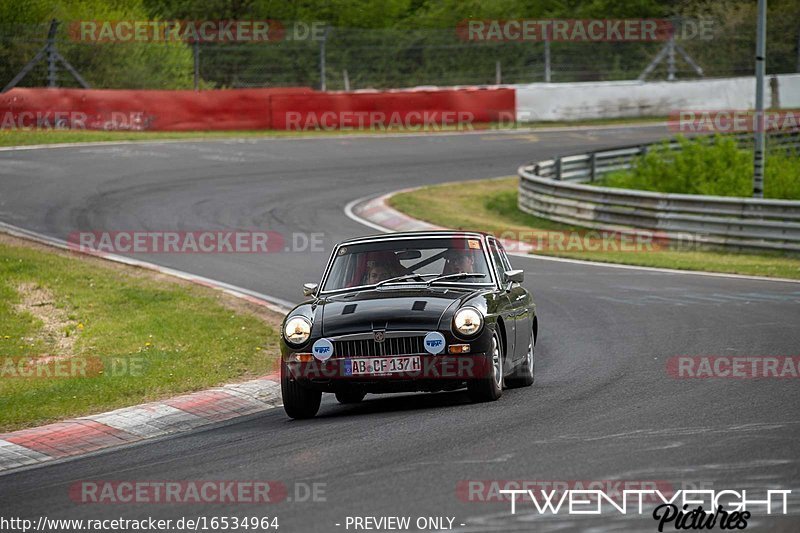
(458,261)
(382,266)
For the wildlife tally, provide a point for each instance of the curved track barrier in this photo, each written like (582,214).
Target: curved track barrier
(299,109)
(552,189)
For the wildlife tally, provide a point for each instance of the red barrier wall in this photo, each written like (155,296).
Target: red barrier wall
(437,108)
(249,109)
(241,109)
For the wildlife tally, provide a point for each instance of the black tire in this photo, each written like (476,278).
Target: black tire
(523,375)
(299,402)
(350,396)
(489,388)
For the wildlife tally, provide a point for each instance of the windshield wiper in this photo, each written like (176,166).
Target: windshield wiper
(420,277)
(459,275)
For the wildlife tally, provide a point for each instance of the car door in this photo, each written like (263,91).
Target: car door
(522,304)
(505,308)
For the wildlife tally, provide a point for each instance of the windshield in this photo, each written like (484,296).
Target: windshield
(409,260)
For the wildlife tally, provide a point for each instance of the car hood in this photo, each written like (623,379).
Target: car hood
(389,309)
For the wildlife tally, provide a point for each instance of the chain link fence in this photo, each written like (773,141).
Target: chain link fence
(389,58)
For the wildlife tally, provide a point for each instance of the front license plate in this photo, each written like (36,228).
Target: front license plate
(381,365)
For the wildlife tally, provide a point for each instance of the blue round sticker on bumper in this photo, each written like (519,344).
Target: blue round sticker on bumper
(322,349)
(434,342)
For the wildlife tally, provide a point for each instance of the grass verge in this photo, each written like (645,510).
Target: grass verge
(714,166)
(30,136)
(79,335)
(491,206)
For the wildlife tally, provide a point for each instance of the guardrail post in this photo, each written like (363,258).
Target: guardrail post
(558,167)
(592,166)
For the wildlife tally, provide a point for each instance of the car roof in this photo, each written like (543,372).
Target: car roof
(416,234)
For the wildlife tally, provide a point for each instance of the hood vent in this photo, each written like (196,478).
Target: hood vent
(419,305)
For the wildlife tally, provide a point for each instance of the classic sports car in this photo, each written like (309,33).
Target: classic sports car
(421,311)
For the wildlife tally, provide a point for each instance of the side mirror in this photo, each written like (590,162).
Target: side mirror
(514,276)
(309,289)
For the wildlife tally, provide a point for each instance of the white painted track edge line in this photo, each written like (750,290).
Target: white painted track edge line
(348,211)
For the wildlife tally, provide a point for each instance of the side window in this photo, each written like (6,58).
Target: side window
(497,259)
(506,262)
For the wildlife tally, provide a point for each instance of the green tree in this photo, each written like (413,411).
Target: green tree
(103,65)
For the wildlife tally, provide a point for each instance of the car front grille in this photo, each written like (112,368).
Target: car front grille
(369,348)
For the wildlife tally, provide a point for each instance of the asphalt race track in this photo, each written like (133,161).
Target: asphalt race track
(603,406)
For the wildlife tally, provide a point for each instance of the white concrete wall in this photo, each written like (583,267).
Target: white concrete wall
(572,101)
(789,91)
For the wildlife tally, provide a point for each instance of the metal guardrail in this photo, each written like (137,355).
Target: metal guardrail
(552,189)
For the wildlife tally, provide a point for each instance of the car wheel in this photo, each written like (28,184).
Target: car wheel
(350,396)
(298,401)
(489,388)
(524,373)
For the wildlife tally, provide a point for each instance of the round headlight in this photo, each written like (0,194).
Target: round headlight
(297,330)
(468,321)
